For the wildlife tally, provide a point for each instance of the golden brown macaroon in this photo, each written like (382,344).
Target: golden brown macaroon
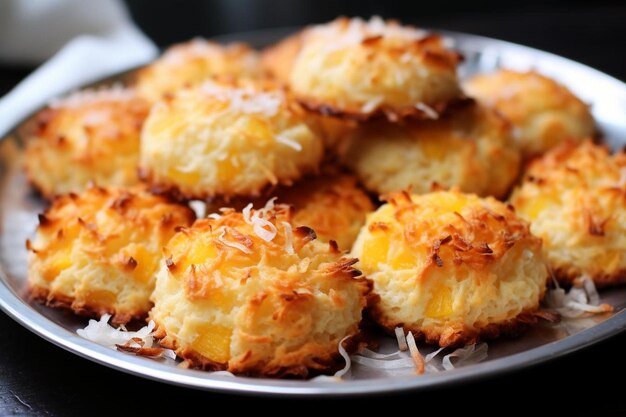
(574,199)
(97,252)
(471,148)
(89,136)
(332,204)
(251,294)
(452,268)
(362,69)
(544,112)
(191,63)
(226,140)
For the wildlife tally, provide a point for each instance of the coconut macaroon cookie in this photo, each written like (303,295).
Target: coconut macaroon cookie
(452,268)
(97,252)
(362,69)
(227,140)
(251,294)
(545,112)
(471,148)
(574,199)
(89,136)
(191,63)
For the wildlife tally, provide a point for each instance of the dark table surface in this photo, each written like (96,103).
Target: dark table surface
(37,378)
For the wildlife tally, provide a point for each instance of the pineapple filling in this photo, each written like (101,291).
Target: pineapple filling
(213,342)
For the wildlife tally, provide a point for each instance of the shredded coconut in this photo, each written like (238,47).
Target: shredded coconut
(169,353)
(427,110)
(401,339)
(342,351)
(288,142)
(198,207)
(465,356)
(384,364)
(432,368)
(288,238)
(365,352)
(399,360)
(246,213)
(359,30)
(578,301)
(99,331)
(104,334)
(235,245)
(262,227)
(415,354)
(245,100)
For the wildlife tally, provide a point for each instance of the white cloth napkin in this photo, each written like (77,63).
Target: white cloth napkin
(104,40)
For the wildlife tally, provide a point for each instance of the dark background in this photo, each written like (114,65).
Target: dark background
(37,378)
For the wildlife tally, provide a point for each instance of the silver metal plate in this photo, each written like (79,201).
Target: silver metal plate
(18,219)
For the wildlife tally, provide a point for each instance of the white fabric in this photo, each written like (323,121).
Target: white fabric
(101,40)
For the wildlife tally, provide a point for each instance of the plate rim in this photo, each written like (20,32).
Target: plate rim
(24,314)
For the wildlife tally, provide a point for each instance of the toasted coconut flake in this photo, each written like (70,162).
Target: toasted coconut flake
(199,207)
(415,354)
(401,339)
(140,342)
(288,142)
(263,228)
(235,245)
(371,105)
(288,238)
(137,347)
(246,213)
(427,110)
(465,356)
